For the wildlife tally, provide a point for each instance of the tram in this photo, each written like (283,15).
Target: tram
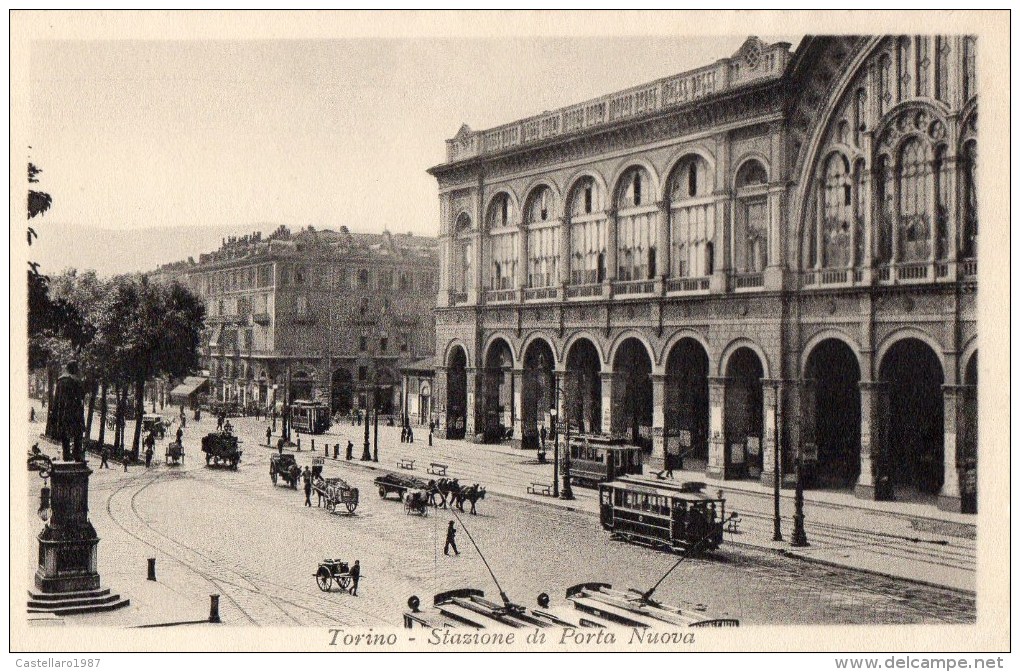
(672,516)
(309,417)
(596,458)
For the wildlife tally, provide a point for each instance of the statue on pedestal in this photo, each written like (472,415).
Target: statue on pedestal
(68,412)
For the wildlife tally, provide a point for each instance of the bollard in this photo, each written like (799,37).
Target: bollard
(214,608)
(299,443)
(313,445)
(152,569)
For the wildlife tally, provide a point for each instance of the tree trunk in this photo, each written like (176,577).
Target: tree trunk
(116,418)
(102,415)
(92,407)
(50,418)
(122,422)
(139,411)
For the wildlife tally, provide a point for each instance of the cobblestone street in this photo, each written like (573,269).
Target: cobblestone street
(256,544)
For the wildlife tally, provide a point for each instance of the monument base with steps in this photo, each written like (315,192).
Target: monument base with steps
(75,602)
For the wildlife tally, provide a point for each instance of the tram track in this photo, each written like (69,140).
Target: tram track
(239,589)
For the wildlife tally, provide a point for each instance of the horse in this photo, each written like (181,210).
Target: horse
(447,489)
(433,490)
(471,494)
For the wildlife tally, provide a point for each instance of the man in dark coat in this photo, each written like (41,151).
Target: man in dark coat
(68,412)
(355,577)
(307,476)
(269,436)
(350,450)
(451,534)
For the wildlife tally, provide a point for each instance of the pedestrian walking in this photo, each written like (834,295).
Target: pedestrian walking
(350,450)
(269,436)
(279,445)
(219,422)
(307,476)
(355,577)
(403,434)
(180,434)
(31,414)
(104,457)
(451,534)
(148,457)
(410,434)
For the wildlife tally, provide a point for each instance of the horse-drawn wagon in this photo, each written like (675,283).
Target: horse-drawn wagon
(437,492)
(395,483)
(284,467)
(336,492)
(175,453)
(221,448)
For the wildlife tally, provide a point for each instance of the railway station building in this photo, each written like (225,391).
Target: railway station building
(318,315)
(776,248)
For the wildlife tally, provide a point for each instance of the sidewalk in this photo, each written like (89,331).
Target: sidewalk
(899,539)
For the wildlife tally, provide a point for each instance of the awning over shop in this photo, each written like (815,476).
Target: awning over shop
(186,390)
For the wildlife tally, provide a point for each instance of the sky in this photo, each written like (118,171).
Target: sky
(154,150)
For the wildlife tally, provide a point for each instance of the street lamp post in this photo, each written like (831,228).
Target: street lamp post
(556,445)
(799,536)
(375,439)
(777,532)
(366,454)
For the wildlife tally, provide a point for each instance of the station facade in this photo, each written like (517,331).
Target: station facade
(779,247)
(319,315)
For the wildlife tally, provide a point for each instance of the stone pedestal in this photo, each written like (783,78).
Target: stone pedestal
(875,479)
(67,579)
(718,459)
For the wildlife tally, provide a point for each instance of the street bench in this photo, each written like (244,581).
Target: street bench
(406,464)
(540,489)
(437,469)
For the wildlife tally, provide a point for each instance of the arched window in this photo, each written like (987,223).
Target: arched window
(968,170)
(543,238)
(860,214)
(751,221)
(502,240)
(588,226)
(465,256)
(915,216)
(837,213)
(885,209)
(635,226)
(691,218)
(540,205)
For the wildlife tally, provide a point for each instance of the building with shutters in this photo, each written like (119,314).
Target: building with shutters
(778,247)
(321,315)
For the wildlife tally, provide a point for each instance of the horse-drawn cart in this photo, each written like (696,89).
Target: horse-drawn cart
(285,467)
(417,502)
(221,448)
(175,453)
(336,492)
(390,483)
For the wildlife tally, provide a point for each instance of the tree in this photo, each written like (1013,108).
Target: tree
(38,201)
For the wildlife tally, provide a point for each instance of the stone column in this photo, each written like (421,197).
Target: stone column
(806,425)
(439,392)
(773,278)
(875,480)
(717,457)
(521,281)
(662,250)
(721,247)
(607,401)
(657,460)
(772,415)
(565,252)
(959,460)
(475,407)
(518,406)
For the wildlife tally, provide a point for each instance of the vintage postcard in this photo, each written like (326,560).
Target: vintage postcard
(536,331)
